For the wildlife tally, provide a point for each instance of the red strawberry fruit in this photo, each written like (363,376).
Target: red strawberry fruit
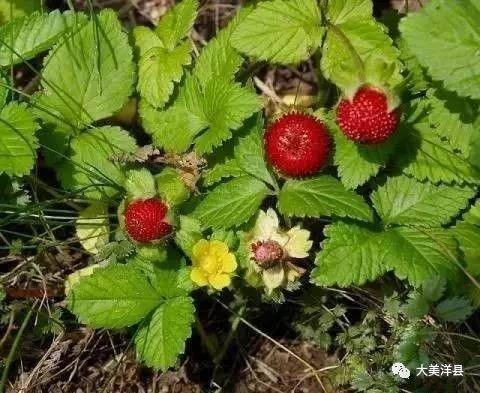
(297,144)
(146,221)
(366,118)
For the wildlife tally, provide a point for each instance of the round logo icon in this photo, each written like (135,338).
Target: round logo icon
(400,370)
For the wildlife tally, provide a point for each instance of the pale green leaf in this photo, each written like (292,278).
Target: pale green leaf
(359,52)
(24,38)
(340,11)
(281,31)
(91,168)
(92,227)
(17,139)
(176,23)
(445,37)
(231,204)
(145,40)
(162,338)
(352,254)
(140,183)
(321,196)
(159,69)
(89,75)
(189,234)
(456,309)
(406,201)
(430,158)
(113,297)
(454,118)
(10,9)
(171,187)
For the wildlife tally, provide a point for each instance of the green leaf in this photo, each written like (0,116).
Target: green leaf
(445,36)
(89,75)
(173,129)
(321,196)
(468,237)
(281,31)
(218,58)
(418,254)
(189,234)
(10,9)
(429,158)
(90,168)
(24,38)
(406,201)
(473,215)
(17,140)
(340,11)
(454,118)
(231,204)
(92,227)
(358,52)
(176,23)
(359,163)
(145,40)
(434,288)
(352,254)
(224,106)
(456,309)
(250,155)
(416,306)
(162,338)
(228,168)
(113,297)
(159,68)
(171,187)
(140,183)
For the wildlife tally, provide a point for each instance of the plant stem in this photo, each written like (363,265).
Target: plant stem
(15,345)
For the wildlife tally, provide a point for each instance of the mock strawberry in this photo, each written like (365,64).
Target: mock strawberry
(146,220)
(297,144)
(366,118)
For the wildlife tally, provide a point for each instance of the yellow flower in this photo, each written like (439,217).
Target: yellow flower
(213,264)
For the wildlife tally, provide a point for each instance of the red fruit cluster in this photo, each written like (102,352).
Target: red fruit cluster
(146,221)
(297,144)
(366,118)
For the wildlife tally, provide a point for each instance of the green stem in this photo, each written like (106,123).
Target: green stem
(15,345)
(209,344)
(231,335)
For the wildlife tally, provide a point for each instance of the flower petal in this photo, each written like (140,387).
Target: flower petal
(219,281)
(218,247)
(200,248)
(198,277)
(229,263)
(273,278)
(298,244)
(267,223)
